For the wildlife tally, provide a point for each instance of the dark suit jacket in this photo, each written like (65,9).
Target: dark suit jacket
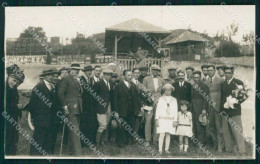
(126,100)
(92,81)
(104,96)
(198,100)
(182,93)
(41,105)
(70,94)
(227,91)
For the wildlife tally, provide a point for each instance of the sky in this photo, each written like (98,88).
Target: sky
(67,21)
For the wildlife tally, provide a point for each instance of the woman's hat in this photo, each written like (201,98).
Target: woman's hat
(19,75)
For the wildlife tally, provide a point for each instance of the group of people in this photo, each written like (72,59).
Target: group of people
(187,103)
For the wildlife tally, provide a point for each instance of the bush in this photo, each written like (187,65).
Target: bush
(228,49)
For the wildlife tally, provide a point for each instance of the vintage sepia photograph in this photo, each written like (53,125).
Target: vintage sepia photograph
(130,82)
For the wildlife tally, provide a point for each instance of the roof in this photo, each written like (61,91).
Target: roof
(184,37)
(137,25)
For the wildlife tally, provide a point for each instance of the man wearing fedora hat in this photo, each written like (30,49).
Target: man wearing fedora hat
(153,84)
(103,90)
(88,123)
(70,96)
(41,107)
(13,108)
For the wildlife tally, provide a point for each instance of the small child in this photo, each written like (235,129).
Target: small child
(184,129)
(166,117)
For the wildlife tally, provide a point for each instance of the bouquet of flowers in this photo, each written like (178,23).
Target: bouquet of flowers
(238,96)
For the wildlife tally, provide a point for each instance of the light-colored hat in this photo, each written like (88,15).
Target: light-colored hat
(76,66)
(107,71)
(155,67)
(111,64)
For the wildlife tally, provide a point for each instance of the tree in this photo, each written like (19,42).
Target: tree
(228,49)
(232,30)
(249,39)
(32,41)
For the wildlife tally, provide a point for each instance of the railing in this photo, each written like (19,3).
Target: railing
(147,62)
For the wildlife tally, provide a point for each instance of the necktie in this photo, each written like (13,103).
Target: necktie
(210,80)
(108,85)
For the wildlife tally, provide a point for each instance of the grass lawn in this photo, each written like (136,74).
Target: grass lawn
(248,119)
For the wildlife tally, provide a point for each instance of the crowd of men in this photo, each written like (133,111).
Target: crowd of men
(92,101)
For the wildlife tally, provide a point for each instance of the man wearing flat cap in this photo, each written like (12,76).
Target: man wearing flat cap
(153,84)
(102,105)
(13,108)
(70,96)
(88,124)
(172,77)
(42,111)
(199,106)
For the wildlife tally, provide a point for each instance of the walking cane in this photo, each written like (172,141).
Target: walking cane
(63,129)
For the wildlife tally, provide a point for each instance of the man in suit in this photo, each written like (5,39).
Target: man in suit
(127,106)
(182,88)
(199,105)
(88,123)
(204,69)
(41,110)
(153,84)
(96,77)
(70,96)
(56,107)
(215,123)
(103,90)
(233,127)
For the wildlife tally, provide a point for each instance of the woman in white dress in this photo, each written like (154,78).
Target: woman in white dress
(184,129)
(166,117)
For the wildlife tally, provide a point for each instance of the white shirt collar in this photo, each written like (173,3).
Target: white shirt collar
(134,81)
(126,83)
(105,81)
(96,78)
(230,80)
(49,85)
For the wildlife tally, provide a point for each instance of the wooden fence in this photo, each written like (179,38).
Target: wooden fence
(147,62)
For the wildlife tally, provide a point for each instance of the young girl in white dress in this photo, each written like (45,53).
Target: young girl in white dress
(166,117)
(184,129)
